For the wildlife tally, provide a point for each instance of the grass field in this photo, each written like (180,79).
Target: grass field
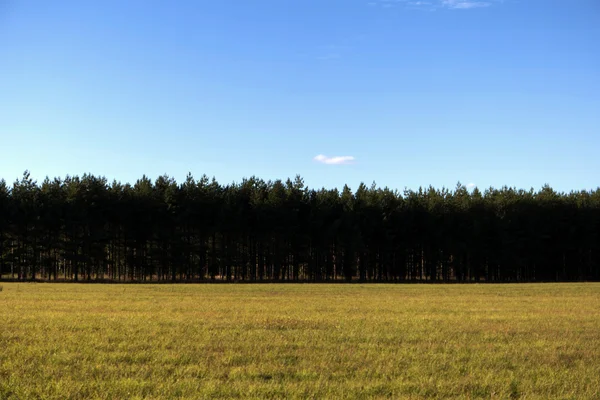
(77,341)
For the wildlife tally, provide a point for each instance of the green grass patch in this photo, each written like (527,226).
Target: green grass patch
(78,341)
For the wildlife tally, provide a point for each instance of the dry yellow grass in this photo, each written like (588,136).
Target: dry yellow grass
(77,341)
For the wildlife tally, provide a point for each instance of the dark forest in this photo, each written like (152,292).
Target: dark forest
(88,229)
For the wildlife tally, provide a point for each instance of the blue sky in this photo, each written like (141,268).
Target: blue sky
(404,93)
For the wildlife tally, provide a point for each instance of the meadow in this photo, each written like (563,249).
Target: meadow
(93,341)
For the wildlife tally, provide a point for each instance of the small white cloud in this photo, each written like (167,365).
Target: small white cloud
(432,5)
(471,185)
(464,4)
(337,160)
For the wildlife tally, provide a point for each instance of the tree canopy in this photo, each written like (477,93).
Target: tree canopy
(85,228)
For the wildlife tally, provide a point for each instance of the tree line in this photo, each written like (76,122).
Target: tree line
(87,229)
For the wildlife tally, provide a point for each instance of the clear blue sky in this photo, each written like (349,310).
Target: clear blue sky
(416,92)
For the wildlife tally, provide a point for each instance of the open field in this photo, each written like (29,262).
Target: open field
(77,341)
